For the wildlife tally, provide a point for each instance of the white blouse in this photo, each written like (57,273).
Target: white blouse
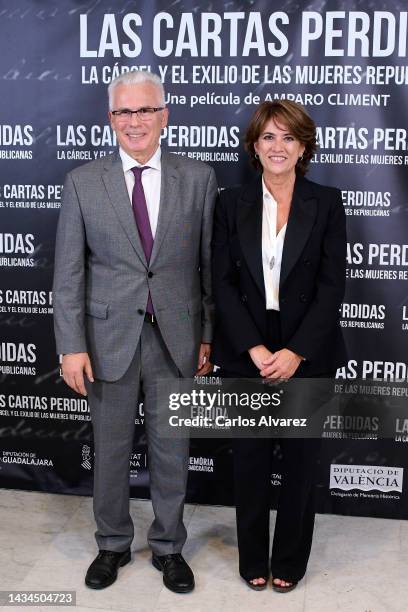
(272,246)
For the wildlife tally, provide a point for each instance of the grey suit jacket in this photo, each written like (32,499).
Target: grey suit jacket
(102,279)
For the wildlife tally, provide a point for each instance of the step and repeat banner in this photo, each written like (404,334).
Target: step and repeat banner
(345,61)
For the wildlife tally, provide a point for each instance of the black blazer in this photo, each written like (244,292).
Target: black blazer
(312,279)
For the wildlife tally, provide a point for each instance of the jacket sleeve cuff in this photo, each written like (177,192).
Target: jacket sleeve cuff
(68,348)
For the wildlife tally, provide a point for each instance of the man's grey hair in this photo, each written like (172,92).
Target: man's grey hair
(137,77)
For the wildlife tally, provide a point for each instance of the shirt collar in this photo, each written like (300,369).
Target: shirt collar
(266,193)
(128,162)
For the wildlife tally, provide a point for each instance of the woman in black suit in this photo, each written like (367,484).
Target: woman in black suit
(279,257)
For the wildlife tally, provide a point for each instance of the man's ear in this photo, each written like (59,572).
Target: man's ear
(165,117)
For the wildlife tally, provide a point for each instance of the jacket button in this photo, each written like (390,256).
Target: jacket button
(283,300)
(302,297)
(140,311)
(306,262)
(244,298)
(238,263)
(150,274)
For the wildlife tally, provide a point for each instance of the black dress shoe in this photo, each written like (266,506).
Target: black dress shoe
(103,570)
(177,576)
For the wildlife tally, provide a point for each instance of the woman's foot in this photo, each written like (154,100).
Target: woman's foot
(257,584)
(283,586)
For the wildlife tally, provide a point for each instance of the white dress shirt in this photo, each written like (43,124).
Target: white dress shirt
(151,181)
(272,246)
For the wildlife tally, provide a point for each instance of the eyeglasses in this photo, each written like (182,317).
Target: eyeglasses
(145,113)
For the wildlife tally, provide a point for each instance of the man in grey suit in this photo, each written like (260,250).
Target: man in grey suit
(132,305)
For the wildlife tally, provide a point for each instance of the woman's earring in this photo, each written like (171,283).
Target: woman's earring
(301,158)
(256,155)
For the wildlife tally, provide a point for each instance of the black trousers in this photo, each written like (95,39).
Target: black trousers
(295,513)
(252,483)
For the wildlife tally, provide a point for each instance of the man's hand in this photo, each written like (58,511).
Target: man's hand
(259,354)
(281,365)
(73,367)
(204,366)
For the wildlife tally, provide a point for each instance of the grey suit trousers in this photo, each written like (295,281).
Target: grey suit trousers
(113,407)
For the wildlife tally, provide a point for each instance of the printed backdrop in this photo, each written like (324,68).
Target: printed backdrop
(345,61)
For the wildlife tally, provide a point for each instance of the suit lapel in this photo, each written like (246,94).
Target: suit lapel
(115,185)
(300,223)
(249,228)
(169,198)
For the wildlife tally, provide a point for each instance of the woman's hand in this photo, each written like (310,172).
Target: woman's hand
(280,365)
(204,366)
(259,354)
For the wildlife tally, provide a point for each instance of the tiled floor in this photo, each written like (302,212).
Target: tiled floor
(46,543)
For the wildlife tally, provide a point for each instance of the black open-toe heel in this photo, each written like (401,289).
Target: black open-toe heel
(257,587)
(284,589)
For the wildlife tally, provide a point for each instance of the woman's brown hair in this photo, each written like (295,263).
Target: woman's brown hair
(291,115)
